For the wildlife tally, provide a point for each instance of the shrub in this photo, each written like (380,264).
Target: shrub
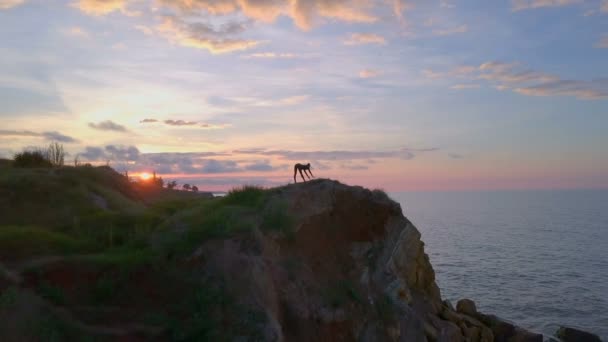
(54,155)
(35,158)
(247,195)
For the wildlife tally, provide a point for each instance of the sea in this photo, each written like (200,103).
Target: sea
(536,258)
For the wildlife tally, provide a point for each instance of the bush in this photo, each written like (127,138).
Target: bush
(36,158)
(54,155)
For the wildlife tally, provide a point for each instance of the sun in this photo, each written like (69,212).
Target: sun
(145,176)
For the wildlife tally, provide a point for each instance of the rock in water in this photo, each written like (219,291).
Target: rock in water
(567,334)
(467,307)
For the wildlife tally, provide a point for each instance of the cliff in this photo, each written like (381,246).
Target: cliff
(318,261)
(354,269)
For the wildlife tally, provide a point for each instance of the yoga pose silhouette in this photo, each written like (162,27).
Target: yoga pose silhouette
(300,167)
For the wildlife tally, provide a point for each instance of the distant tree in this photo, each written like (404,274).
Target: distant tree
(171,185)
(77,160)
(159,182)
(195,188)
(56,154)
(186,187)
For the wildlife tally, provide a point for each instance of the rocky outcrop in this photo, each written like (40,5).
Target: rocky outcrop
(568,334)
(354,268)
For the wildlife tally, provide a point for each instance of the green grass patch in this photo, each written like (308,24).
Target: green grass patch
(22,242)
(241,211)
(247,195)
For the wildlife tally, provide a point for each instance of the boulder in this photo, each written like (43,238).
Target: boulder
(567,334)
(467,307)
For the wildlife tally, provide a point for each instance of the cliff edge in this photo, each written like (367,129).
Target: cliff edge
(316,261)
(353,268)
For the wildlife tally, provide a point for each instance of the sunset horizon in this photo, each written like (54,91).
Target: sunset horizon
(400,95)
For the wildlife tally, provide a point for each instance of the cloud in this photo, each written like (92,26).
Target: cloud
(405,153)
(369,73)
(51,136)
(304,13)
(364,38)
(216,40)
(585,90)
(511,76)
(76,32)
(271,55)
(518,5)
(108,126)
(6,4)
(184,123)
(117,153)
(464,86)
(213,126)
(455,156)
(179,123)
(293,100)
(123,153)
(451,31)
(100,7)
(604,6)
(603,42)
(260,166)
(56,136)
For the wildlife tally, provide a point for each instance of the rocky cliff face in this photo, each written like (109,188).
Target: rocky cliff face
(354,268)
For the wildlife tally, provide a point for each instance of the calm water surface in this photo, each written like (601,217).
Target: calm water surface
(537,258)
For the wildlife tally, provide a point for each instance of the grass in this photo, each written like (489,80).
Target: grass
(109,248)
(22,242)
(241,211)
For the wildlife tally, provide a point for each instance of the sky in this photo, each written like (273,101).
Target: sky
(403,95)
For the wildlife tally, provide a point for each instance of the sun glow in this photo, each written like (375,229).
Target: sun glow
(145,176)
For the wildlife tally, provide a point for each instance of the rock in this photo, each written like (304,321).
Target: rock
(467,307)
(522,335)
(567,334)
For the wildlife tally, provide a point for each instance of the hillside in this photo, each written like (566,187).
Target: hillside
(317,261)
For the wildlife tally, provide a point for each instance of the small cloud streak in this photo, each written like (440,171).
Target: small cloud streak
(464,86)
(51,136)
(455,156)
(369,73)
(364,38)
(184,123)
(100,7)
(108,126)
(271,55)
(518,5)
(76,32)
(404,153)
(451,31)
(179,123)
(7,4)
(505,76)
(294,100)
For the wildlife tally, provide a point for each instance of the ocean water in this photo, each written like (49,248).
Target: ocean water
(536,258)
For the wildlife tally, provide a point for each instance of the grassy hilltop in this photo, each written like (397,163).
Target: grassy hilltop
(84,253)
